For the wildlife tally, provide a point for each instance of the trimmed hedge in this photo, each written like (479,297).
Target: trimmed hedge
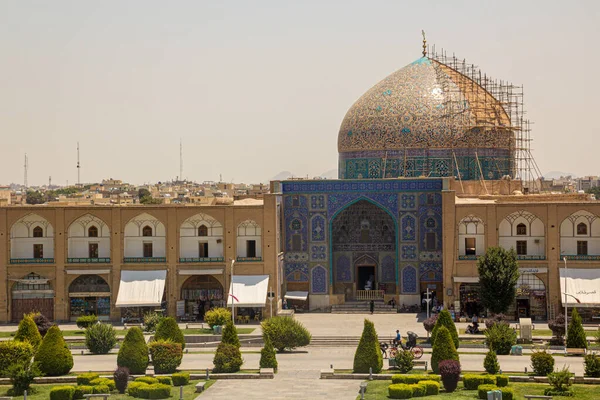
(483,389)
(150,380)
(416,378)
(53,355)
(28,332)
(181,378)
(400,391)
(418,390)
(133,352)
(62,393)
(86,321)
(133,389)
(168,329)
(502,380)
(165,380)
(149,391)
(473,381)
(101,389)
(80,390)
(432,388)
(86,378)
(286,333)
(542,363)
(166,356)
(104,381)
(368,354)
(14,352)
(217,316)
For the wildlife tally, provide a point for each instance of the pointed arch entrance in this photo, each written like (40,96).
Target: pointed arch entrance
(32,293)
(363,246)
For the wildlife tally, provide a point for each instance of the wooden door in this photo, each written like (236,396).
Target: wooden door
(25,306)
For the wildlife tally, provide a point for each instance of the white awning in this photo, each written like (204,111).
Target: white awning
(296,296)
(87,271)
(466,279)
(582,287)
(212,271)
(248,291)
(141,288)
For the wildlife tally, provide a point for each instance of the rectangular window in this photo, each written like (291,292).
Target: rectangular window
(522,247)
(430,199)
(148,249)
(38,251)
(93,250)
(250,248)
(296,243)
(582,248)
(295,201)
(203,249)
(430,242)
(365,236)
(470,246)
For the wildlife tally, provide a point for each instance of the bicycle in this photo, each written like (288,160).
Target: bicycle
(411,345)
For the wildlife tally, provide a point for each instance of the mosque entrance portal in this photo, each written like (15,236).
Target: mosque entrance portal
(366,277)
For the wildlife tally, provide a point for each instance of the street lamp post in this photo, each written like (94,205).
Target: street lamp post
(566,326)
(427,300)
(232,296)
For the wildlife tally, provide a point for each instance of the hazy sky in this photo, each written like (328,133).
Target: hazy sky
(257,87)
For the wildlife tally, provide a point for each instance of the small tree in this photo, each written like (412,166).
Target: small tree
(368,355)
(445,319)
(22,376)
(53,355)
(28,332)
(217,316)
(286,333)
(133,352)
(230,335)
(498,274)
(450,372)
(557,326)
(168,329)
(443,349)
(490,363)
(576,335)
(100,338)
(267,355)
(227,358)
(429,323)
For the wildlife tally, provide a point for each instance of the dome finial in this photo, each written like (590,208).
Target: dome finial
(424,44)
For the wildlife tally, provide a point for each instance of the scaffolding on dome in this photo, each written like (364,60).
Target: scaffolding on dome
(484,113)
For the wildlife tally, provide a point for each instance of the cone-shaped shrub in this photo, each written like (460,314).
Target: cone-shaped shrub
(166,356)
(490,363)
(576,335)
(368,355)
(227,358)
(133,353)
(230,335)
(443,349)
(168,329)
(53,355)
(28,332)
(445,319)
(267,355)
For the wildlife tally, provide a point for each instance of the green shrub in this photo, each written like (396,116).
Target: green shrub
(400,391)
(490,363)
(166,356)
(151,321)
(576,335)
(368,355)
(22,376)
(230,335)
(133,389)
(86,378)
(86,321)
(404,361)
(28,332)
(542,362)
(592,365)
(552,392)
(267,355)
(154,391)
(165,380)
(53,355)
(181,378)
(483,389)
(98,389)
(507,393)
(432,388)
(217,316)
(501,380)
(418,390)
(443,348)
(473,381)
(133,353)
(104,382)
(450,372)
(286,333)
(80,390)
(227,358)
(100,338)
(62,392)
(150,380)
(414,378)
(445,319)
(500,338)
(121,378)
(560,380)
(168,329)
(14,352)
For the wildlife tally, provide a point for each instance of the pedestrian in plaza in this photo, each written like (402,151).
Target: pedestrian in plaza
(372,307)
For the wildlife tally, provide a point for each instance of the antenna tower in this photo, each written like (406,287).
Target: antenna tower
(49,181)
(78,166)
(26,167)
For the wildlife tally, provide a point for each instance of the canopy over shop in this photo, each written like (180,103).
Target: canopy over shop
(248,293)
(89,294)
(582,288)
(139,290)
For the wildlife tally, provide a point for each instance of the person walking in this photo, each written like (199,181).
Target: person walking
(372,307)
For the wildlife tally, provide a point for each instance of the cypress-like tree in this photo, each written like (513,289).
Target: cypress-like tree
(133,353)
(28,332)
(168,329)
(490,363)
(53,355)
(267,355)
(443,349)
(576,335)
(368,355)
(230,335)
(498,274)
(445,319)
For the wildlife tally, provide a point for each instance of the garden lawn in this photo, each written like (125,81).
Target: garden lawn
(378,390)
(43,392)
